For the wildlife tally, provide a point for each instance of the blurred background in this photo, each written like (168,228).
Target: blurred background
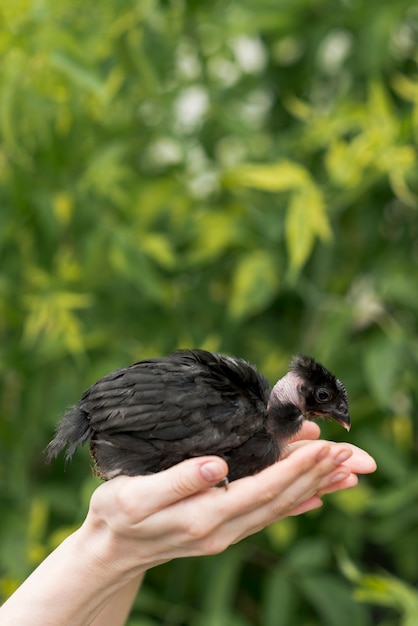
(239,176)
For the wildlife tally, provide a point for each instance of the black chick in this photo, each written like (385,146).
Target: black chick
(151,415)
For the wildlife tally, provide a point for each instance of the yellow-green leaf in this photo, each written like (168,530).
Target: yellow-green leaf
(281,176)
(81,76)
(159,248)
(216,232)
(254,284)
(63,206)
(305,221)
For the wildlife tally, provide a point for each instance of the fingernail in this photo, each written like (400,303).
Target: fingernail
(338,477)
(212,471)
(342,456)
(322,454)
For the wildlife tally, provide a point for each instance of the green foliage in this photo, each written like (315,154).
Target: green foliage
(388,591)
(306,218)
(237,176)
(384,590)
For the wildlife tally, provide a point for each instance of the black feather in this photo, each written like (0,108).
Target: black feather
(155,413)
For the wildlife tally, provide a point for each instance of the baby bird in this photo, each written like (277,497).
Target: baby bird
(155,413)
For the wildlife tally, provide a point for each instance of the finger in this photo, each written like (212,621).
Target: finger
(250,503)
(278,487)
(141,496)
(304,493)
(186,479)
(289,483)
(347,483)
(313,503)
(360,462)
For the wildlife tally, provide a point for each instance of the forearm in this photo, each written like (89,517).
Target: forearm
(72,586)
(117,609)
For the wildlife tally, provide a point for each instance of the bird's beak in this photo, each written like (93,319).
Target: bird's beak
(342,417)
(339,415)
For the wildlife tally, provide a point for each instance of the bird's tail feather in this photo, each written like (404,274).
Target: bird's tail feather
(72,431)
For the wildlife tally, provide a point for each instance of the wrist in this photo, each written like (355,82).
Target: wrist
(71,586)
(109,555)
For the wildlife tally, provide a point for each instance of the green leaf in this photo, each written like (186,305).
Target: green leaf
(281,176)
(220,587)
(333,601)
(344,170)
(391,462)
(282,533)
(354,502)
(279,599)
(255,283)
(216,232)
(388,591)
(393,501)
(159,248)
(308,554)
(14,65)
(81,75)
(305,221)
(381,367)
(398,162)
(381,110)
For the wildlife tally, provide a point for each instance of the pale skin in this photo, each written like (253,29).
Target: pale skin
(134,524)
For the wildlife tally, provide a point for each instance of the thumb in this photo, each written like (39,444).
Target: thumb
(194,475)
(178,482)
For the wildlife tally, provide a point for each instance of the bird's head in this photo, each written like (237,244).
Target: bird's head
(309,391)
(320,393)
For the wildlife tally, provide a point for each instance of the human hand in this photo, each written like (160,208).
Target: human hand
(359,463)
(135,523)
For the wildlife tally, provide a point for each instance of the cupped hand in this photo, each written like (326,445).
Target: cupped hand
(137,522)
(360,461)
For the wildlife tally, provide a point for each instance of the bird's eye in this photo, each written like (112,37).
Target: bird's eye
(322,395)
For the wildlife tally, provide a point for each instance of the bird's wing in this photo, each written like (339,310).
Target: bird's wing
(205,400)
